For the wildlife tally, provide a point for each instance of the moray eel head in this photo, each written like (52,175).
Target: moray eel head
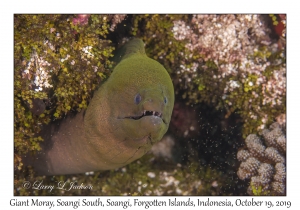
(147,99)
(132,110)
(148,115)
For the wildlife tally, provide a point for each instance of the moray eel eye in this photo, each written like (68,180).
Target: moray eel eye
(165,100)
(137,98)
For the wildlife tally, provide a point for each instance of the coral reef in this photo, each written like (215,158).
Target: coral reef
(216,59)
(228,65)
(264,163)
(81,19)
(59,61)
(115,20)
(279,24)
(235,54)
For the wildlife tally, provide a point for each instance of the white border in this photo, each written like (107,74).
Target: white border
(8,8)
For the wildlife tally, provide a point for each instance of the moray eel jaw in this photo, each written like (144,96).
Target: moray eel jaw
(147,113)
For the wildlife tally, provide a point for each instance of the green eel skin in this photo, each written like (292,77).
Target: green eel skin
(129,113)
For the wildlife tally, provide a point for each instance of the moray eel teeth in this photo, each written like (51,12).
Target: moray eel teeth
(146,113)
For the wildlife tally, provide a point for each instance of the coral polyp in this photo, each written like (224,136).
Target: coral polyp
(264,162)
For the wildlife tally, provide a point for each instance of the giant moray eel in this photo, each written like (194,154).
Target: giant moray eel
(129,113)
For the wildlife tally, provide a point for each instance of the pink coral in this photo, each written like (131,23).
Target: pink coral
(245,55)
(81,19)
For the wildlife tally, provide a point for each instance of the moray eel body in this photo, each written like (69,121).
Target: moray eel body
(129,113)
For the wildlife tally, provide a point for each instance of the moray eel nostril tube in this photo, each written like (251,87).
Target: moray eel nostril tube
(129,113)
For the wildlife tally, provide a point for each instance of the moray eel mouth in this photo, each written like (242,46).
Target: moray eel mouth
(146,113)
